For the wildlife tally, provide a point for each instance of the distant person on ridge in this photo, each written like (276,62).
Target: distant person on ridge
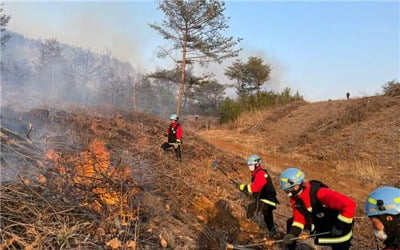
(318,208)
(263,191)
(348,95)
(383,208)
(174,134)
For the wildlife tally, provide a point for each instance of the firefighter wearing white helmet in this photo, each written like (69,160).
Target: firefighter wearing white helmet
(262,189)
(383,208)
(174,133)
(319,208)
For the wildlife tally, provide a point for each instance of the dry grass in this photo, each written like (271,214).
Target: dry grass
(188,205)
(363,170)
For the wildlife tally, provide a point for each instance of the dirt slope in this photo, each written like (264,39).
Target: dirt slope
(186,205)
(352,145)
(360,135)
(136,194)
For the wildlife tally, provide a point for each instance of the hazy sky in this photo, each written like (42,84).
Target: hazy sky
(323,49)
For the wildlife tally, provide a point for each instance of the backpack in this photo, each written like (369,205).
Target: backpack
(321,216)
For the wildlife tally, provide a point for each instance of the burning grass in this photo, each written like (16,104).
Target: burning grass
(103,182)
(80,200)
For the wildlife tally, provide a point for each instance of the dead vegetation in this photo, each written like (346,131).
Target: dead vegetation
(97,179)
(356,134)
(352,145)
(101,182)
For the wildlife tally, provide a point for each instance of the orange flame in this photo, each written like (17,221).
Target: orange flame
(55,157)
(92,166)
(92,163)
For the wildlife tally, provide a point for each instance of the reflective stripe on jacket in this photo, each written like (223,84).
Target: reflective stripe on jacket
(262,187)
(328,207)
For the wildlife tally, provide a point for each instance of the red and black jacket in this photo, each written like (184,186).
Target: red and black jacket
(322,207)
(174,132)
(262,187)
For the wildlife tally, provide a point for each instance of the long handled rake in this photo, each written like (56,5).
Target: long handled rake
(272,242)
(214,165)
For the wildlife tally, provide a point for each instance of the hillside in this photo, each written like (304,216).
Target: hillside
(352,145)
(357,136)
(104,181)
(95,178)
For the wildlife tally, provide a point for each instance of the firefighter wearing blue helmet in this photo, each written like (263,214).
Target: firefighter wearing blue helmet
(319,208)
(383,208)
(263,191)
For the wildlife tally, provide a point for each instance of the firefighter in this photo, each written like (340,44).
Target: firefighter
(263,191)
(319,209)
(383,208)
(174,134)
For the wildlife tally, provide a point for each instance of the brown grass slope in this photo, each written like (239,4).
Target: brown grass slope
(57,204)
(361,135)
(187,205)
(351,145)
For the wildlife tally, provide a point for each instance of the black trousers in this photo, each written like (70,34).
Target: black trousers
(266,210)
(166,145)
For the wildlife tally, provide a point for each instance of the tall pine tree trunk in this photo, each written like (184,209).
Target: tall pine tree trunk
(134,90)
(183,75)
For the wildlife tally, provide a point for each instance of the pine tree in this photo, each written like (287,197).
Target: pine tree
(194,28)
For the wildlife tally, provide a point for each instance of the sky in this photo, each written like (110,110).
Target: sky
(323,49)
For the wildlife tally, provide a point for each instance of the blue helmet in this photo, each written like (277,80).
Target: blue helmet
(254,159)
(291,177)
(383,200)
(174,117)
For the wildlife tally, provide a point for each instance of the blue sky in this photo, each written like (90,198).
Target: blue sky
(323,49)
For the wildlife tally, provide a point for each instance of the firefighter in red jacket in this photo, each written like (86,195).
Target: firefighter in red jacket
(174,134)
(318,208)
(263,191)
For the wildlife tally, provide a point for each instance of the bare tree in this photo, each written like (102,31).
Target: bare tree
(87,68)
(4,19)
(14,73)
(51,64)
(116,81)
(194,28)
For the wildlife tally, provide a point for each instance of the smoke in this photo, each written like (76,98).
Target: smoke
(100,26)
(51,79)
(90,29)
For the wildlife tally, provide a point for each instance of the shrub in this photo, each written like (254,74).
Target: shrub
(391,89)
(229,110)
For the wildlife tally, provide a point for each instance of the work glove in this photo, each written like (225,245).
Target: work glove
(178,141)
(165,134)
(242,187)
(288,239)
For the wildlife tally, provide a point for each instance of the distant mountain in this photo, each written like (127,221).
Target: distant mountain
(36,71)
(49,69)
